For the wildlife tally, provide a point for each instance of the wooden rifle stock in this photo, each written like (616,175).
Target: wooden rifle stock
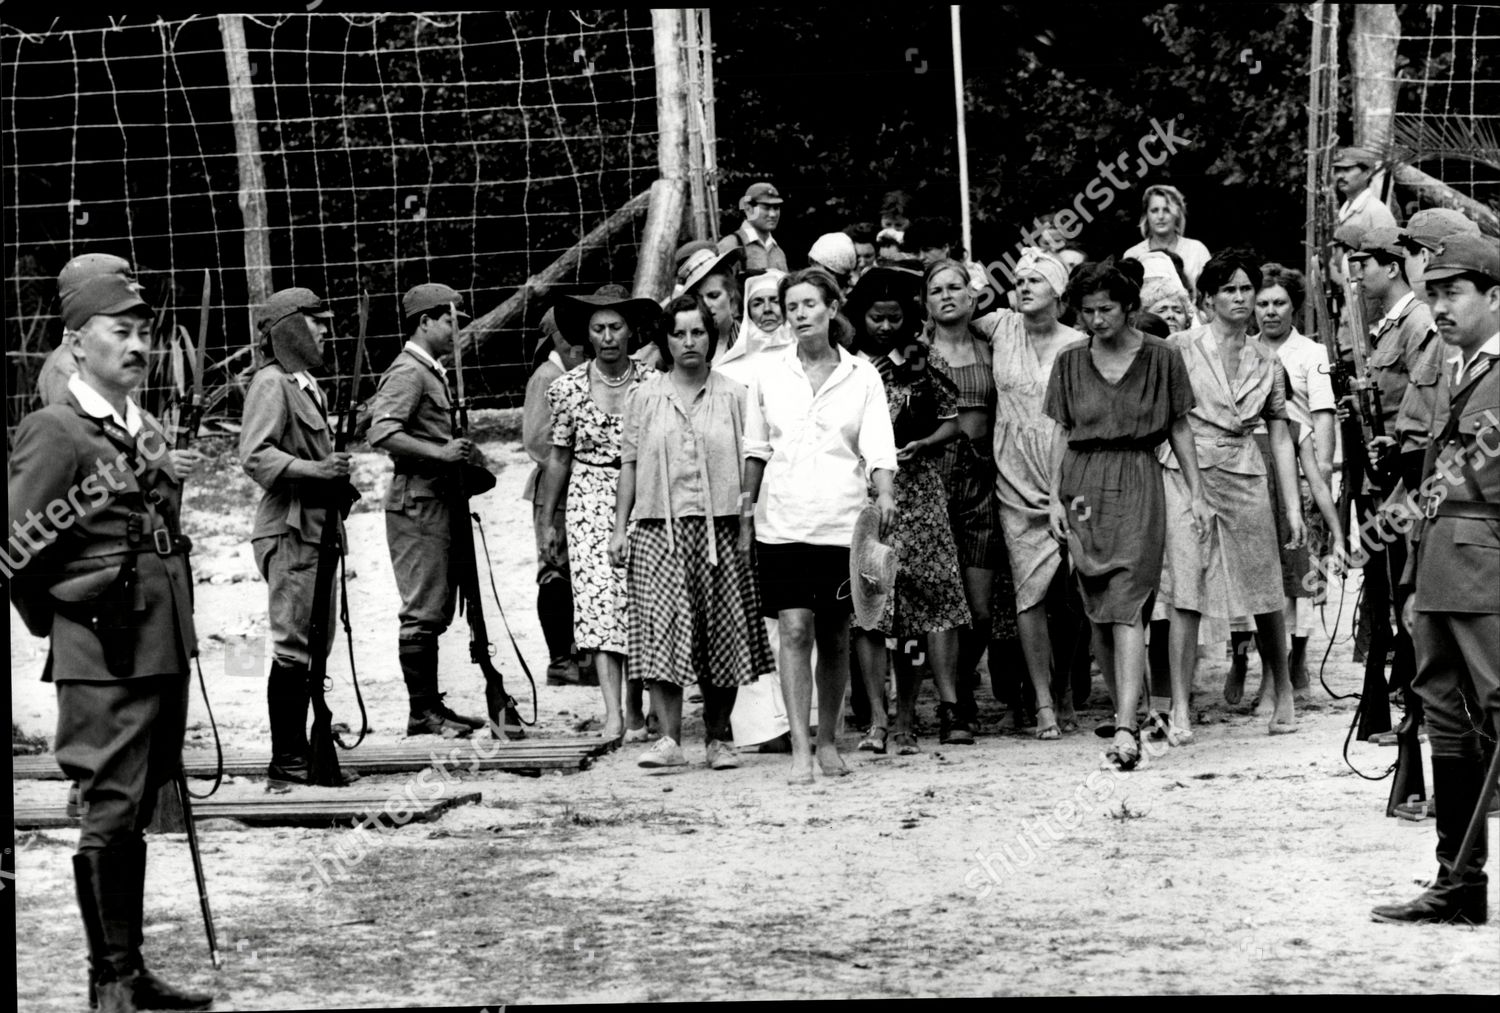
(337,496)
(504,719)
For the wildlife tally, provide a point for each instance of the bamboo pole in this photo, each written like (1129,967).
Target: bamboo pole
(252,195)
(1372,51)
(481,328)
(710,130)
(963,139)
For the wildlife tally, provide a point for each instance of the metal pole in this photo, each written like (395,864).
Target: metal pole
(1314,132)
(963,141)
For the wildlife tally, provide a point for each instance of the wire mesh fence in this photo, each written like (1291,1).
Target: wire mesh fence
(470,149)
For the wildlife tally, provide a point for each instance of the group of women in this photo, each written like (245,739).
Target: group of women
(1020,470)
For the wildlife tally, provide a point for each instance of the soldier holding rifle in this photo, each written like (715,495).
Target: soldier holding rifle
(411,421)
(286,445)
(1454,573)
(99,564)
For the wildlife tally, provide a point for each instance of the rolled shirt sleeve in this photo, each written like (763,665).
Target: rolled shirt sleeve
(757,431)
(877,438)
(394,404)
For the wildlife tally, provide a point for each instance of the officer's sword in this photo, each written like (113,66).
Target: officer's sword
(190,416)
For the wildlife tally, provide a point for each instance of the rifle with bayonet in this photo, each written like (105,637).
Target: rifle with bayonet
(337,497)
(468,479)
(189,417)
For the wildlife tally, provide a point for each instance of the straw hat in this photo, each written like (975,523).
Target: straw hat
(700,264)
(872,569)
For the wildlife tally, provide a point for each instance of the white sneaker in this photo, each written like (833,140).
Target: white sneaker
(663,753)
(722,755)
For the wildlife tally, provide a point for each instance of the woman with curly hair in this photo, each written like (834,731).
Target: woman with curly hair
(928,599)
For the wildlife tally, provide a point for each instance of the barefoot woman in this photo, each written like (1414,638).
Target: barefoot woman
(816,432)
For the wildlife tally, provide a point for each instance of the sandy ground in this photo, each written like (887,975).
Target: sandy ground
(1242,863)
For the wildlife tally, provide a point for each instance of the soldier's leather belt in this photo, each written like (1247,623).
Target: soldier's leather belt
(161,543)
(1469,509)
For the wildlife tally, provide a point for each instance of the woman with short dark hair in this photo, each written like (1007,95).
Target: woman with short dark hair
(694,609)
(1222,573)
(1116,398)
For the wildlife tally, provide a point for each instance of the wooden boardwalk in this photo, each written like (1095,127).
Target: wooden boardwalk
(301,807)
(527,756)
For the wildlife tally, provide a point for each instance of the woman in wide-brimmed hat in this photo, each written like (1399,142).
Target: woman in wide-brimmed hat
(588,404)
(928,602)
(694,607)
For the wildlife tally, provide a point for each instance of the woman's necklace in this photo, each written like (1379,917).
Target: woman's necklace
(605,379)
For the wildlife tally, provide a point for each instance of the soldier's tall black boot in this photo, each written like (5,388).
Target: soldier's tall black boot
(1452,898)
(111,891)
(419,661)
(147,990)
(287,699)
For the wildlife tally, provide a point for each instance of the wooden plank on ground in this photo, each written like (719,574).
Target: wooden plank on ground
(301,807)
(397,758)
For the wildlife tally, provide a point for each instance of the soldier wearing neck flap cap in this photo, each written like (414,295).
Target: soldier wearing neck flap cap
(286,446)
(108,583)
(293,322)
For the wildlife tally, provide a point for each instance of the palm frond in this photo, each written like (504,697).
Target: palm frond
(1426,138)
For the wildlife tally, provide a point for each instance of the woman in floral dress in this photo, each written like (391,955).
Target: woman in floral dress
(928,601)
(588,405)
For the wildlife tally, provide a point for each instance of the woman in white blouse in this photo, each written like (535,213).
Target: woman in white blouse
(1163,224)
(817,434)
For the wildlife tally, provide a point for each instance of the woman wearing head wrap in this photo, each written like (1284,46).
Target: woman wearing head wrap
(928,599)
(1163,224)
(1024,346)
(762,331)
(964,356)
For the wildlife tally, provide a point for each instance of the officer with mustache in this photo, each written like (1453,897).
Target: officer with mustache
(99,565)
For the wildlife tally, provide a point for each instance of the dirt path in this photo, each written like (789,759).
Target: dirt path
(1243,863)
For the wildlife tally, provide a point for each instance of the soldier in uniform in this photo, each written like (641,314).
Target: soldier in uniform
(1405,359)
(98,563)
(410,421)
(286,445)
(1454,610)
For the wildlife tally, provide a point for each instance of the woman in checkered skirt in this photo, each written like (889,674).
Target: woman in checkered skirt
(694,613)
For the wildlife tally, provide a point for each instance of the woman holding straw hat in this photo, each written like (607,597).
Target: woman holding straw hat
(588,404)
(694,607)
(928,600)
(817,434)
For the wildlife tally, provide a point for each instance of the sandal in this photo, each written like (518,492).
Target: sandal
(906,744)
(874,740)
(1125,757)
(1047,731)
